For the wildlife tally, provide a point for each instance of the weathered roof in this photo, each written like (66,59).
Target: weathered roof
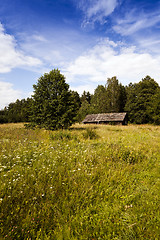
(105,117)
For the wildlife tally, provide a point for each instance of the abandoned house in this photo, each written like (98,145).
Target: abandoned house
(106,118)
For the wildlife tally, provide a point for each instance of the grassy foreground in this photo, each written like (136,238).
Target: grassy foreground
(89,182)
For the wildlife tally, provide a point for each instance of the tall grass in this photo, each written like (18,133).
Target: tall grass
(84,183)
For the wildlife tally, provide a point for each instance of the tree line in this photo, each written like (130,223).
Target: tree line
(140,100)
(53,105)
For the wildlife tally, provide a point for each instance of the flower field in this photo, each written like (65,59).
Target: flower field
(85,183)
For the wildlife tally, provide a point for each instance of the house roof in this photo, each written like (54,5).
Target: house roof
(105,117)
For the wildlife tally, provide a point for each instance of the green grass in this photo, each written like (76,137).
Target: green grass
(89,182)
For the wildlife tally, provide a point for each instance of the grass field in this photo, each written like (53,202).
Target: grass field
(86,183)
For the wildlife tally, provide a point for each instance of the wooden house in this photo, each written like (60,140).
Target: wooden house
(106,118)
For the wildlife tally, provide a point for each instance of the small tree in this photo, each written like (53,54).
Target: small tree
(54,105)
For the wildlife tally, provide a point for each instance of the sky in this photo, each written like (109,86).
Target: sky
(89,41)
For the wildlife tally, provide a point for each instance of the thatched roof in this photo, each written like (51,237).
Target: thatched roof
(104,117)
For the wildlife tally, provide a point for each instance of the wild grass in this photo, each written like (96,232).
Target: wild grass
(89,182)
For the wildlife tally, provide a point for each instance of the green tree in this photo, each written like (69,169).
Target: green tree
(26,109)
(156,107)
(122,98)
(3,118)
(86,96)
(140,100)
(18,111)
(76,103)
(53,104)
(83,111)
(99,100)
(130,106)
(14,112)
(116,95)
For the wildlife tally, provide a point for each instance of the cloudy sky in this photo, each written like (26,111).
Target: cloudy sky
(88,40)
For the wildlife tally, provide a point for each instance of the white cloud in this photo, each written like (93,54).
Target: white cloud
(97,10)
(133,23)
(150,44)
(39,38)
(108,60)
(8,94)
(11,56)
(55,47)
(86,87)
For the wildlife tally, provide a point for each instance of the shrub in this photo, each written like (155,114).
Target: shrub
(90,134)
(118,152)
(61,135)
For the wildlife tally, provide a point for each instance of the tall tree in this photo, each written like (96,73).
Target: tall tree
(18,111)
(3,118)
(99,100)
(156,107)
(83,111)
(122,98)
(139,100)
(86,96)
(116,95)
(53,103)
(131,101)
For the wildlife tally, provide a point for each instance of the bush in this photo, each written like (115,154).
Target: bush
(90,134)
(61,135)
(118,152)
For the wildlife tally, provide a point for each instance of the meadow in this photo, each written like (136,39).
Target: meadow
(90,182)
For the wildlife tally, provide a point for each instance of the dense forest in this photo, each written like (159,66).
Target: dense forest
(140,100)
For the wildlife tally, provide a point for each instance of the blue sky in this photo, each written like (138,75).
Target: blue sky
(88,40)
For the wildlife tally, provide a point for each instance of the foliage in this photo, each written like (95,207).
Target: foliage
(90,134)
(156,107)
(83,111)
(109,98)
(86,96)
(122,97)
(19,111)
(116,95)
(3,118)
(99,100)
(84,108)
(54,106)
(61,135)
(76,188)
(140,100)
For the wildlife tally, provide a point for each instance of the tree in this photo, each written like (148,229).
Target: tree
(130,102)
(3,118)
(99,100)
(116,95)
(83,111)
(122,98)
(108,98)
(140,100)
(76,105)
(18,111)
(53,104)
(26,109)
(86,96)
(156,107)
